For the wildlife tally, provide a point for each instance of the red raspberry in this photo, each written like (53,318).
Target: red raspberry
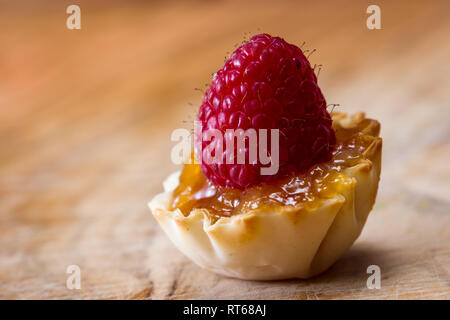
(267,83)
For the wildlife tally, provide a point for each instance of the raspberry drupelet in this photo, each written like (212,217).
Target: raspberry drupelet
(267,83)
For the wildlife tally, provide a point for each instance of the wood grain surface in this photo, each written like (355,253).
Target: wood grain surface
(85,123)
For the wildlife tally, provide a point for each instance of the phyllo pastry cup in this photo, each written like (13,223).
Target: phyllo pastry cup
(281,241)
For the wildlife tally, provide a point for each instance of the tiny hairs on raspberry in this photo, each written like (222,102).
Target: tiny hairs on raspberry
(266,83)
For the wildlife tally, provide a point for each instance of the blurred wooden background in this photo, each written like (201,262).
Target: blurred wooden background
(85,123)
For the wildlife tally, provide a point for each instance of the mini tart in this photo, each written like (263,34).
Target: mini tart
(293,239)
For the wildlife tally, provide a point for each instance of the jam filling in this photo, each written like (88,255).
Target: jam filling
(302,189)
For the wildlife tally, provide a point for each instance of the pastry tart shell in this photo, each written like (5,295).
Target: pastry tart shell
(282,242)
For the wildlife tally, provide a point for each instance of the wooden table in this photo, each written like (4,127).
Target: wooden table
(85,123)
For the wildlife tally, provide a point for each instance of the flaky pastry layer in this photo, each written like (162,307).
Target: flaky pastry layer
(282,242)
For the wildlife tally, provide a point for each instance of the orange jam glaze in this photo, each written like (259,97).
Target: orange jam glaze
(303,189)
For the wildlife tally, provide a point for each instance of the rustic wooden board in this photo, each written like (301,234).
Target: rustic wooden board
(86,116)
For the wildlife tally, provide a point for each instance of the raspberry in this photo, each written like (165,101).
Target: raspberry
(266,83)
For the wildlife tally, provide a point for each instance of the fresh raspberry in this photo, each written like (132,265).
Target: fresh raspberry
(267,83)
